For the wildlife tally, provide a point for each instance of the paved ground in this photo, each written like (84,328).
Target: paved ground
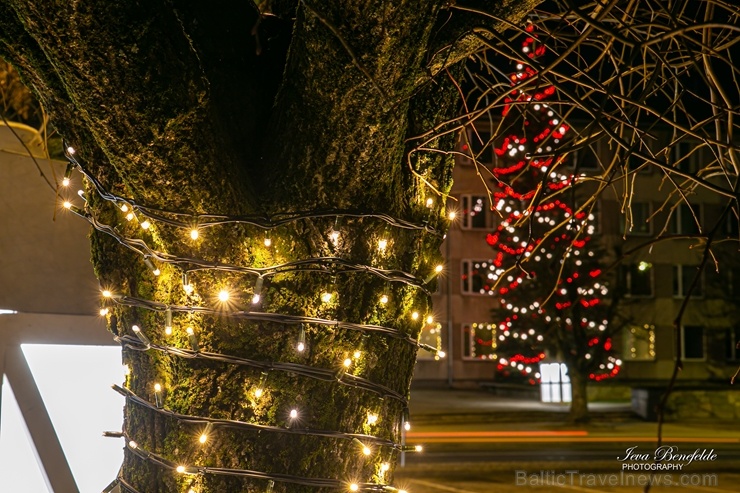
(476,442)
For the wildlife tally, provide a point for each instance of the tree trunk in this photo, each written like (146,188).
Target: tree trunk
(170,105)
(579,390)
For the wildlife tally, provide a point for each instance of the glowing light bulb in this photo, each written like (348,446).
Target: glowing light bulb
(300,347)
(293,414)
(188,288)
(353,487)
(190,331)
(430,319)
(168,331)
(372,418)
(203,438)
(407,426)
(124,208)
(441,354)
(223,295)
(366,450)
(334,236)
(133,444)
(326,297)
(67,204)
(268,242)
(180,469)
(194,234)
(70,150)
(382,244)
(439,268)
(452,215)
(347,362)
(157,387)
(258,393)
(384,299)
(430,202)
(104,312)
(384,467)
(65,182)
(357,354)
(256,299)
(418,448)
(146,224)
(156,272)
(129,216)
(415,316)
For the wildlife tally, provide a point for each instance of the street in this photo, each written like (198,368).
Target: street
(483,447)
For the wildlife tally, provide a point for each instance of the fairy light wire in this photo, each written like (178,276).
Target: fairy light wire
(229,423)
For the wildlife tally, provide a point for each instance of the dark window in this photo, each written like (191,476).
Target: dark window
(637,279)
(683,276)
(732,340)
(475,211)
(478,276)
(477,143)
(692,343)
(636,221)
(684,219)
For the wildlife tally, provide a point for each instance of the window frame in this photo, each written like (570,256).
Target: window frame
(628,281)
(676,222)
(467,262)
(467,330)
(466,219)
(679,287)
(649,224)
(629,343)
(732,339)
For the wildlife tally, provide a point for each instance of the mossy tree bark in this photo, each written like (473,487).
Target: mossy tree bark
(198,108)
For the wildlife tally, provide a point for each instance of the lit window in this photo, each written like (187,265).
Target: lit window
(474,211)
(479,341)
(683,276)
(431,334)
(479,276)
(692,342)
(639,342)
(637,279)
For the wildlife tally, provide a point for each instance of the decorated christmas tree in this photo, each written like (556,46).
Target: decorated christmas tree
(555,302)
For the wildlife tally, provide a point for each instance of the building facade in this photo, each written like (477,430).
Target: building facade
(654,276)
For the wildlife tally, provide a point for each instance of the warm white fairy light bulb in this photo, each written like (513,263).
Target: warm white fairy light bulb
(157,388)
(452,215)
(372,418)
(414,315)
(203,438)
(354,487)
(385,467)
(129,216)
(430,202)
(382,244)
(418,448)
(430,319)
(146,224)
(357,354)
(366,450)
(293,413)
(268,242)
(347,362)
(439,268)
(67,204)
(194,234)
(224,295)
(326,297)
(384,299)
(180,469)
(104,312)
(441,354)
(407,425)
(124,208)
(65,182)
